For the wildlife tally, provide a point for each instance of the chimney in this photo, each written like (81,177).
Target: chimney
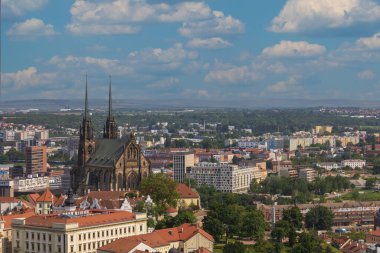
(181,230)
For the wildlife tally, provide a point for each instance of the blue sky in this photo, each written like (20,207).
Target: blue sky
(210,50)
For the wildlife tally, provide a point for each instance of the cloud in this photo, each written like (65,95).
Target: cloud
(164,83)
(234,74)
(109,66)
(370,42)
(284,86)
(31,28)
(123,16)
(203,93)
(27,77)
(218,24)
(17,8)
(366,75)
(210,43)
(294,49)
(306,16)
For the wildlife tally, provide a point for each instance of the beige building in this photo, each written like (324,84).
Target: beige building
(186,238)
(308,174)
(187,196)
(294,143)
(80,231)
(323,129)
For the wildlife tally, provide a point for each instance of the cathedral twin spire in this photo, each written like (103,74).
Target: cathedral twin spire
(110,129)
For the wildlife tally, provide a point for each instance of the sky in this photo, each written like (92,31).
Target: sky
(219,50)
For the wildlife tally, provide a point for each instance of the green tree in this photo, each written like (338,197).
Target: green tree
(253,225)
(214,227)
(4,159)
(294,216)
(162,190)
(281,230)
(183,217)
(15,155)
(320,218)
(307,243)
(236,247)
(370,183)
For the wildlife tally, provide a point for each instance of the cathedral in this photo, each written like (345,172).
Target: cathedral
(108,163)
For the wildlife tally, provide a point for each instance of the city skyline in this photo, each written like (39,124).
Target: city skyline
(205,50)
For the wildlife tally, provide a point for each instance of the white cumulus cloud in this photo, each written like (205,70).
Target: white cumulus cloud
(123,16)
(31,28)
(16,8)
(235,74)
(366,75)
(370,42)
(294,49)
(218,24)
(210,43)
(302,15)
(284,86)
(27,77)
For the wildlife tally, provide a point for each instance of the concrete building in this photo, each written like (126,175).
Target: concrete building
(354,163)
(296,142)
(323,129)
(329,166)
(181,162)
(288,172)
(224,177)
(6,188)
(31,184)
(79,231)
(307,173)
(35,160)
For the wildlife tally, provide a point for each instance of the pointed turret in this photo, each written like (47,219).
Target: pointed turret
(110,129)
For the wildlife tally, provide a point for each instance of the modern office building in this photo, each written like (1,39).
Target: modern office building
(224,177)
(35,160)
(181,162)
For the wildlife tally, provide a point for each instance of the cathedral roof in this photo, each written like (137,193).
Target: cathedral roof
(107,151)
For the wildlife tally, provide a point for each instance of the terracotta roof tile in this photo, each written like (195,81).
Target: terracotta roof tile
(33,198)
(8,218)
(8,200)
(158,238)
(185,192)
(96,218)
(46,196)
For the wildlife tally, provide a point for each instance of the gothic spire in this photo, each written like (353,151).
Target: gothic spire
(110,99)
(86,102)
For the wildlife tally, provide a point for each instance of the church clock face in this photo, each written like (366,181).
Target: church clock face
(89,149)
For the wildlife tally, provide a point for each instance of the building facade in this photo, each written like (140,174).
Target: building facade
(35,160)
(74,232)
(108,163)
(224,177)
(181,162)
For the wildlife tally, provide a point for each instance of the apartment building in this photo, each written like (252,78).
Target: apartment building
(79,231)
(224,177)
(182,161)
(354,163)
(35,160)
(308,174)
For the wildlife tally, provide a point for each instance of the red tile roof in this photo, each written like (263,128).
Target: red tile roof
(33,198)
(8,218)
(158,238)
(185,192)
(8,200)
(46,196)
(95,218)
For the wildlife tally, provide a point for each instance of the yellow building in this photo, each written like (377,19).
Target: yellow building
(187,196)
(80,231)
(323,129)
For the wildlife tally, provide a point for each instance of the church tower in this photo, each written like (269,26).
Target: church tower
(110,129)
(86,135)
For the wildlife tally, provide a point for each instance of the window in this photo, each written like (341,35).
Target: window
(38,236)
(32,236)
(84,236)
(44,237)
(18,244)
(26,245)
(72,249)
(133,229)
(71,238)
(129,229)
(59,238)
(50,238)
(141,228)
(80,236)
(125,230)
(44,247)
(80,248)
(49,247)
(59,248)
(98,234)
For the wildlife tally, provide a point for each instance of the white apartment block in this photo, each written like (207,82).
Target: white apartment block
(252,144)
(224,177)
(31,184)
(82,231)
(356,163)
(329,166)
